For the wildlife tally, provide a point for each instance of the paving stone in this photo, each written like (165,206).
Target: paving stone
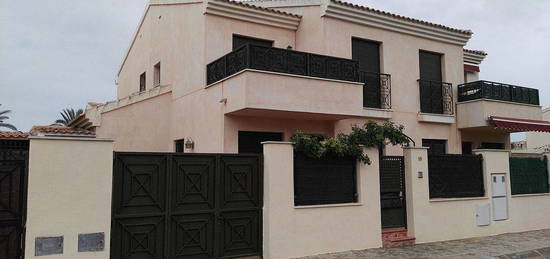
(533,244)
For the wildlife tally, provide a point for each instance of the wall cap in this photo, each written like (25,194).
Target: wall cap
(71,138)
(328,206)
(530,195)
(491,150)
(277,142)
(415,148)
(459,199)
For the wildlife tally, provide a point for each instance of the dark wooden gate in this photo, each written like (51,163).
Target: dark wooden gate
(13,172)
(392,192)
(169,205)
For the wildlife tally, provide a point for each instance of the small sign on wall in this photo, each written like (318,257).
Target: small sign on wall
(48,246)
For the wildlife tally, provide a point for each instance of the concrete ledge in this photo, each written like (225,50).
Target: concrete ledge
(491,150)
(377,113)
(459,199)
(328,206)
(277,142)
(73,138)
(436,118)
(530,195)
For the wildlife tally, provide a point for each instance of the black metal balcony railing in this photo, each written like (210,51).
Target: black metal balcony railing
(436,97)
(497,91)
(377,90)
(281,61)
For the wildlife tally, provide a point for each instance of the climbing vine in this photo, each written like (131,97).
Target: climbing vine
(371,134)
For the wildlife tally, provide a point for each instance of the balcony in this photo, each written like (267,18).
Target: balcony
(479,100)
(263,81)
(436,97)
(497,91)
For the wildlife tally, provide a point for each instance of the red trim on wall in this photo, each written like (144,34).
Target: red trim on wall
(471,68)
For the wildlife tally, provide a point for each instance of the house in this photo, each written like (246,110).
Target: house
(535,142)
(222,77)
(316,66)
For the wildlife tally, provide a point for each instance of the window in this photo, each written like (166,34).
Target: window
(239,41)
(179,145)
(251,141)
(142,82)
(367,54)
(324,181)
(488,145)
(436,146)
(466,148)
(431,86)
(156,75)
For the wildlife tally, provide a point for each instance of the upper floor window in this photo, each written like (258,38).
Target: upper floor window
(430,66)
(156,75)
(142,81)
(367,54)
(239,41)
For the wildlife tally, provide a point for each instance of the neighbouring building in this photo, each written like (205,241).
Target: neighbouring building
(535,142)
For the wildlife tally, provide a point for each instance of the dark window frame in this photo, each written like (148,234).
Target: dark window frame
(254,39)
(156,74)
(430,142)
(179,145)
(143,81)
(267,136)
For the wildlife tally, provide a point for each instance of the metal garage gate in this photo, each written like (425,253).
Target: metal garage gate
(14,156)
(172,205)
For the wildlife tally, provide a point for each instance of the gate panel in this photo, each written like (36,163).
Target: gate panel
(13,173)
(168,205)
(392,192)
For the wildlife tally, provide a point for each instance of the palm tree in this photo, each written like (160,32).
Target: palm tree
(68,115)
(4,117)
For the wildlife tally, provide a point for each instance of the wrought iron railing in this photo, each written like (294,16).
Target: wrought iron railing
(377,90)
(497,91)
(436,97)
(281,61)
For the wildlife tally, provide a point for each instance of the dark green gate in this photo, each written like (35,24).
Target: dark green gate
(172,205)
(529,175)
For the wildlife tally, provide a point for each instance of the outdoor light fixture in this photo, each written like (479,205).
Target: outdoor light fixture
(189,144)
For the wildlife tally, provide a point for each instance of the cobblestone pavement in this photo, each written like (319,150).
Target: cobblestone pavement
(533,244)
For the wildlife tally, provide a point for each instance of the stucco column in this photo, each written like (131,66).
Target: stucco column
(416,184)
(69,193)
(495,161)
(278,197)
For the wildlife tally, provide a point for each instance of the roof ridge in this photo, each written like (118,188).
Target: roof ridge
(246,4)
(463,31)
(473,51)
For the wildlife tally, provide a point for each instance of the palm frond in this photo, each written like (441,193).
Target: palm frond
(7,125)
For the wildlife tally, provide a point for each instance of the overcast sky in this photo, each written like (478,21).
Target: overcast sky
(57,54)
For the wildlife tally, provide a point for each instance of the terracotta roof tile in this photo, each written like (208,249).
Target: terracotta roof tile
(62,130)
(245,4)
(479,52)
(13,135)
(469,32)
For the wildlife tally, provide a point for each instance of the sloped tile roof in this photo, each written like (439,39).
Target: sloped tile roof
(61,130)
(478,52)
(13,135)
(245,4)
(468,32)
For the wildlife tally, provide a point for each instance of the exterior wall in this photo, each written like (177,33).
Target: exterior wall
(475,113)
(455,218)
(539,139)
(69,193)
(291,231)
(479,135)
(142,126)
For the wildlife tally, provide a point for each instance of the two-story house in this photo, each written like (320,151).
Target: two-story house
(222,76)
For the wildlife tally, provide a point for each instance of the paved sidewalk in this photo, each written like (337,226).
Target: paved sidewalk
(533,244)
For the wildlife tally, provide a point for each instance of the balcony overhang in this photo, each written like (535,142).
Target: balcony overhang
(475,113)
(269,94)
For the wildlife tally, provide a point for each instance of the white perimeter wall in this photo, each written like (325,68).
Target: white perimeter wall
(69,193)
(290,231)
(448,219)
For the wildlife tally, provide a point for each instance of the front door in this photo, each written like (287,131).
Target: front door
(392,192)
